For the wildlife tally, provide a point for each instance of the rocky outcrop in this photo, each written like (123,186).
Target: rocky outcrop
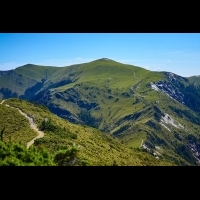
(195,148)
(170,90)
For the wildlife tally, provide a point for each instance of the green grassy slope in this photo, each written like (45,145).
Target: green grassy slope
(17,128)
(95,147)
(101,80)
(22,78)
(119,100)
(116,97)
(195,80)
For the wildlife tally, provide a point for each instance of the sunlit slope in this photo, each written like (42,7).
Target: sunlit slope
(140,107)
(95,147)
(126,100)
(17,82)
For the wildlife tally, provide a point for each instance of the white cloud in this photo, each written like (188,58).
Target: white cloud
(157,69)
(146,67)
(68,62)
(168,62)
(49,62)
(55,62)
(10,65)
(79,58)
(175,52)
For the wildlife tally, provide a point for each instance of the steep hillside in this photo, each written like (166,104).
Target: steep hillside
(95,148)
(195,80)
(129,102)
(24,81)
(158,111)
(17,128)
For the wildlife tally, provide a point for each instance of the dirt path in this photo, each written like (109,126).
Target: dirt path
(141,139)
(141,143)
(2,101)
(32,125)
(135,93)
(133,74)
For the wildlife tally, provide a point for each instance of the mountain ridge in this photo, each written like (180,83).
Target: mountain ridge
(127,101)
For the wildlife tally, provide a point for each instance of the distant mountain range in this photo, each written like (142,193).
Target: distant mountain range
(156,111)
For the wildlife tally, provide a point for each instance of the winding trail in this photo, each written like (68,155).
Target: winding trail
(2,101)
(133,73)
(135,93)
(141,140)
(32,125)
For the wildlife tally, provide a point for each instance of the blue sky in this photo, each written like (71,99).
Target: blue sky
(175,52)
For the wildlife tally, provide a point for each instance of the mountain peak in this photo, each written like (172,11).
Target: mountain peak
(105,59)
(28,64)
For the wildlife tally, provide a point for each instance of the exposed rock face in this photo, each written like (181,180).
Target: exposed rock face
(194,145)
(195,148)
(169,90)
(167,119)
